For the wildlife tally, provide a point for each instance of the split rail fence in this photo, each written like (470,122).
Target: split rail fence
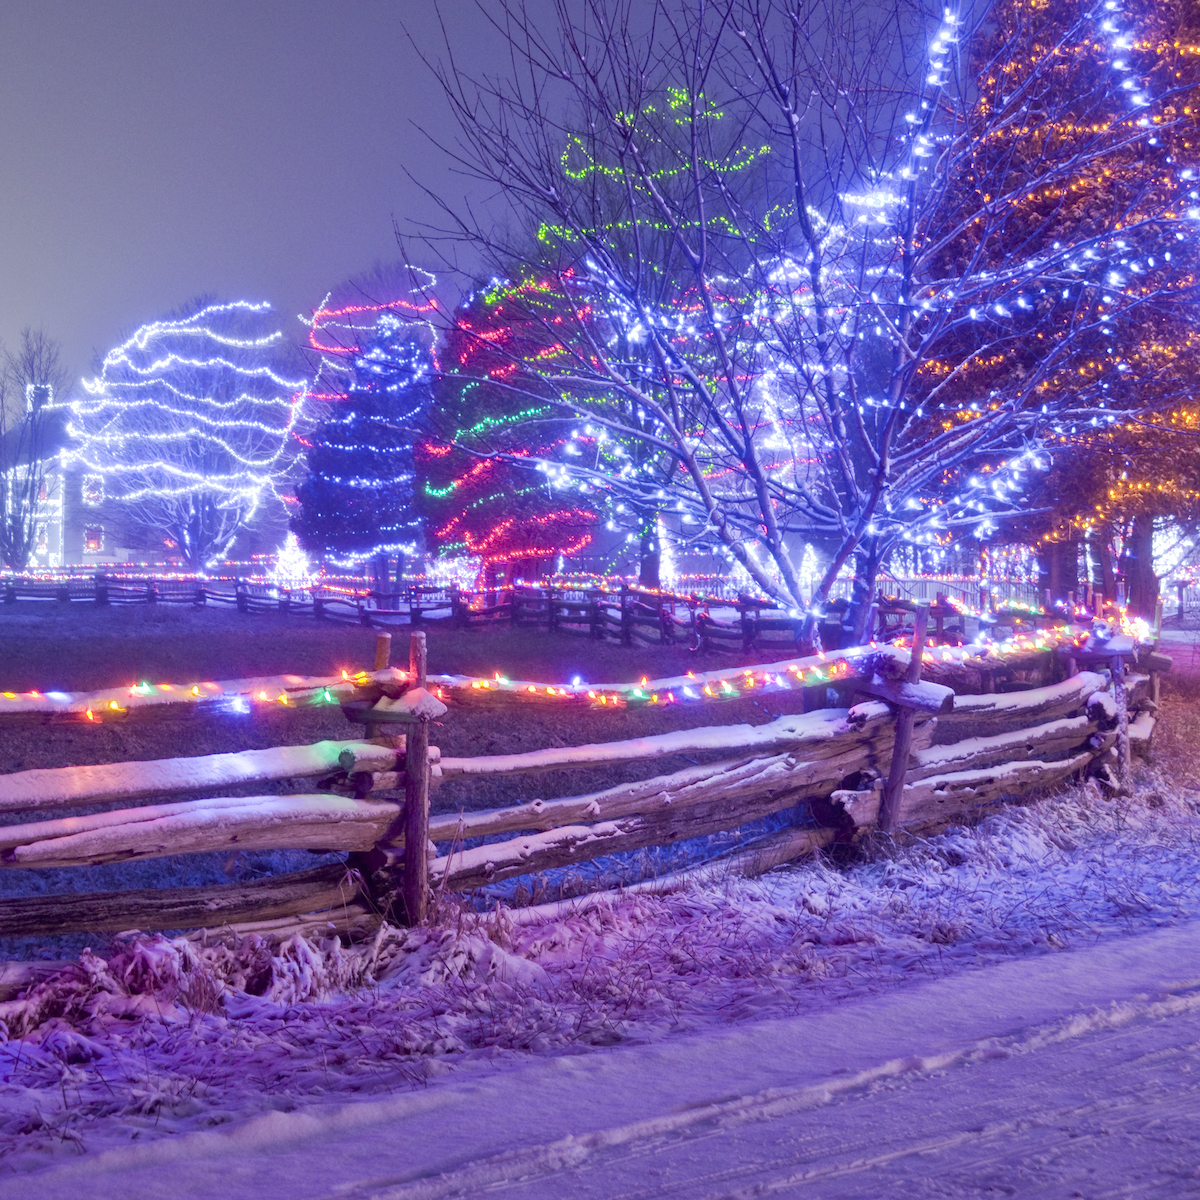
(899,752)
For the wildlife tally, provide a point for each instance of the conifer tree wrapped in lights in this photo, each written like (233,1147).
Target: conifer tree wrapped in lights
(186,430)
(357,501)
(490,483)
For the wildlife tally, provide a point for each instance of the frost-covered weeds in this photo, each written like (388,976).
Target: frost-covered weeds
(171,1034)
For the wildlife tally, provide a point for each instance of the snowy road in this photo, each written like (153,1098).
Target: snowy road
(1071,1074)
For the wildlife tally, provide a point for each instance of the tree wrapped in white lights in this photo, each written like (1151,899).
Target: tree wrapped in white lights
(188,426)
(838,272)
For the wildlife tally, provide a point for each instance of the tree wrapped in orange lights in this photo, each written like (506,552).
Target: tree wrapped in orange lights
(484,492)
(847,269)
(1103,189)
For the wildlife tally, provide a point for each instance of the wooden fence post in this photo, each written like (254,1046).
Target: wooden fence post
(383,658)
(383,651)
(1121,696)
(626,617)
(871,622)
(416,796)
(893,791)
(101,588)
(748,626)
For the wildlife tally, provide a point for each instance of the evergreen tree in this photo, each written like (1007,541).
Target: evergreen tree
(481,500)
(357,502)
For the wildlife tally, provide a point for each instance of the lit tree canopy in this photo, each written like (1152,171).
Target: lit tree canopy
(185,430)
(1106,490)
(835,268)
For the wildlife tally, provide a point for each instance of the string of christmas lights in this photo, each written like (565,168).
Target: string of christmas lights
(240,696)
(483,501)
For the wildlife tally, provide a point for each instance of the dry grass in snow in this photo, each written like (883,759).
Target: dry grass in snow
(169,1035)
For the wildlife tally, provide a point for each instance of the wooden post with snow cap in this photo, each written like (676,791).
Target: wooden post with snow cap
(416,795)
(383,658)
(893,791)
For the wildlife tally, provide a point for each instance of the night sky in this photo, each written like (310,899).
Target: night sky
(249,148)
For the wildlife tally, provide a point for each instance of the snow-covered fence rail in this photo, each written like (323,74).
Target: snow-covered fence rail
(368,798)
(802,763)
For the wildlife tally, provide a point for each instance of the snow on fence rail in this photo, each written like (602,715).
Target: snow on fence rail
(836,770)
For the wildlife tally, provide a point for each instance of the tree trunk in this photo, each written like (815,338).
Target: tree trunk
(1105,580)
(650,554)
(867,561)
(1138,562)
(1058,569)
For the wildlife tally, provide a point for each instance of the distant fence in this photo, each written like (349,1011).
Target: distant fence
(620,612)
(872,762)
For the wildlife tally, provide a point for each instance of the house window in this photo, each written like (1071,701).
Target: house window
(93,489)
(93,540)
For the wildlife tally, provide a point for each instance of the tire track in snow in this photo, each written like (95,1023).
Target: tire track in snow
(522,1168)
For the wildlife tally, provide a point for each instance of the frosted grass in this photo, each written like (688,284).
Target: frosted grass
(171,1034)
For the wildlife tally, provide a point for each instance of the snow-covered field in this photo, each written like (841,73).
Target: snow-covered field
(173,1037)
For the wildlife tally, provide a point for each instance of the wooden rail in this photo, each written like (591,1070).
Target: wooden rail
(829,768)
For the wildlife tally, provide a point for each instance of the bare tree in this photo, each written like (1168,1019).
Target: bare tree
(32,378)
(808,248)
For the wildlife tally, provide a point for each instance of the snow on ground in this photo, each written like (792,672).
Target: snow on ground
(172,1035)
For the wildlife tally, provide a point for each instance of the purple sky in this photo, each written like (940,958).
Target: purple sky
(250,148)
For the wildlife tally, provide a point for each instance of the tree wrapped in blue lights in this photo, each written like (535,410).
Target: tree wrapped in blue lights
(357,502)
(846,273)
